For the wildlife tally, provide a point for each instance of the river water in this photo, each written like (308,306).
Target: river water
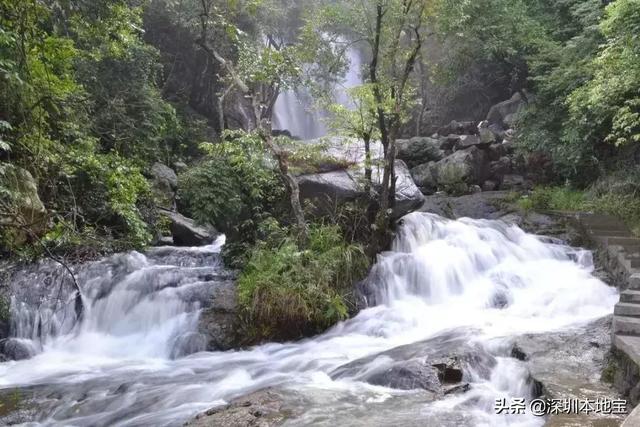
(130,360)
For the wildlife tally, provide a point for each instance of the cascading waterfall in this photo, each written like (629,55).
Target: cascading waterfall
(295,111)
(445,283)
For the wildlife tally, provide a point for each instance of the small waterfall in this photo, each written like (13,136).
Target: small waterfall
(135,305)
(446,286)
(295,110)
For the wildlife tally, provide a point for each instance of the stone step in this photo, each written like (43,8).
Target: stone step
(624,325)
(627,309)
(609,233)
(630,345)
(623,241)
(630,296)
(600,221)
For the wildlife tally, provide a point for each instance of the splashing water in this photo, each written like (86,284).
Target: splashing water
(465,281)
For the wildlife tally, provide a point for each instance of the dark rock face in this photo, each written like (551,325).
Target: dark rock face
(186,232)
(264,408)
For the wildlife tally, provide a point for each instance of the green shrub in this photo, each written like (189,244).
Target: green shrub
(235,183)
(617,194)
(554,198)
(287,293)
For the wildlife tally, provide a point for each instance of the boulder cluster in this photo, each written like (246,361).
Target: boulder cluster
(469,157)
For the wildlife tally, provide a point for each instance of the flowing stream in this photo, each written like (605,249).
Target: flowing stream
(134,358)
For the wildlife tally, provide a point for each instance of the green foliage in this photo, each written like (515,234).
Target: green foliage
(554,198)
(608,105)
(81,110)
(287,293)
(233,188)
(616,194)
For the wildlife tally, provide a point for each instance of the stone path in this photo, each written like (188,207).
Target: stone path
(619,251)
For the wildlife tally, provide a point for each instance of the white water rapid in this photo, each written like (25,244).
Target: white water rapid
(470,283)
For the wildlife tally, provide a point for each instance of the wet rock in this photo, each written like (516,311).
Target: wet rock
(419,150)
(410,375)
(217,323)
(186,232)
(17,349)
(265,408)
(434,365)
(552,359)
(517,353)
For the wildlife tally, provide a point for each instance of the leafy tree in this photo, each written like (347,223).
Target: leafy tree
(392,33)
(608,105)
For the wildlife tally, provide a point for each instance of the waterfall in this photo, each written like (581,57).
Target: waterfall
(444,285)
(296,112)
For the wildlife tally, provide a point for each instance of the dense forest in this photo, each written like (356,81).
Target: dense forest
(96,97)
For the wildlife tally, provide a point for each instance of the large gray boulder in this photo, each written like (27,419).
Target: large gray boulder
(436,365)
(408,195)
(186,232)
(462,167)
(218,320)
(424,177)
(419,150)
(335,186)
(504,113)
(454,173)
(327,190)
(17,349)
(24,201)
(164,182)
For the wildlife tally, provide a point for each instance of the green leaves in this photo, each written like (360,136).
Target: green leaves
(286,293)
